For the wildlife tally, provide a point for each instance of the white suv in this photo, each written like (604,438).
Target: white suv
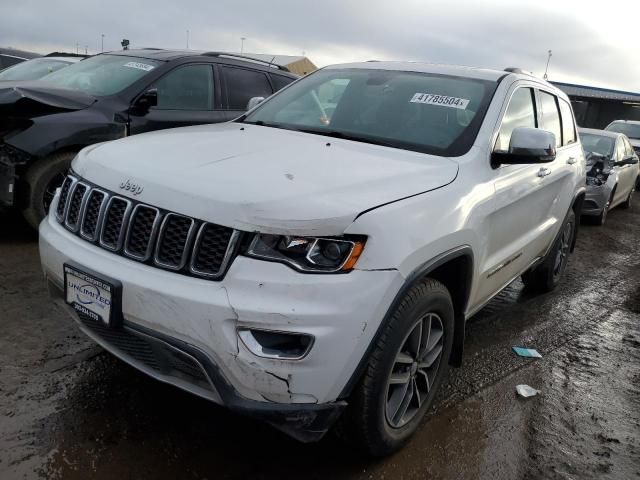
(319,257)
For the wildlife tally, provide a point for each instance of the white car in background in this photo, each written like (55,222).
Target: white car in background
(612,172)
(320,257)
(36,68)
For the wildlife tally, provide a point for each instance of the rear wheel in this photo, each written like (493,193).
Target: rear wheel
(407,364)
(546,276)
(43,178)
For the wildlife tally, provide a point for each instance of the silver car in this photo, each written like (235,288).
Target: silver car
(612,171)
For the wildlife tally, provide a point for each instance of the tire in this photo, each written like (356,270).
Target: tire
(600,219)
(546,276)
(627,203)
(374,419)
(42,178)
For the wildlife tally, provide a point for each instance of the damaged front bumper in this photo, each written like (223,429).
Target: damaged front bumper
(194,324)
(172,361)
(595,200)
(11,161)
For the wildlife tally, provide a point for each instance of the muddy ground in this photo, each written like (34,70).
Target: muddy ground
(69,410)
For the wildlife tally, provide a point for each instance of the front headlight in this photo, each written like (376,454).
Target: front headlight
(308,254)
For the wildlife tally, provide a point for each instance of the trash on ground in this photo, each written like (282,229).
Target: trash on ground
(526,391)
(526,352)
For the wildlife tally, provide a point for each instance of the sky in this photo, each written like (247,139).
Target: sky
(591,42)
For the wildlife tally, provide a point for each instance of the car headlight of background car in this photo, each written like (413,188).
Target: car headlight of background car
(308,254)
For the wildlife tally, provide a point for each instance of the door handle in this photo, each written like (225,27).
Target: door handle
(572,160)
(543,172)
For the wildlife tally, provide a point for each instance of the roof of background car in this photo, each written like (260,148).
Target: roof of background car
(601,133)
(632,122)
(454,70)
(157,53)
(18,53)
(163,55)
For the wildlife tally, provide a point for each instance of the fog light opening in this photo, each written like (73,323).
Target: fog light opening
(277,345)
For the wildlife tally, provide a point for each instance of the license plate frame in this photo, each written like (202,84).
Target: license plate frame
(93,295)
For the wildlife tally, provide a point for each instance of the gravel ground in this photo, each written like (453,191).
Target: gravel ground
(70,410)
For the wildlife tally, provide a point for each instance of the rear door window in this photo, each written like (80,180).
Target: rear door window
(520,113)
(551,116)
(568,125)
(243,84)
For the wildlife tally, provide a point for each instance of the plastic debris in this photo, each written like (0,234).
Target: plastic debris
(526,352)
(526,391)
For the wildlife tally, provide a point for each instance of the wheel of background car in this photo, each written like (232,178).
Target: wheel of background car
(409,359)
(628,201)
(546,276)
(600,219)
(42,178)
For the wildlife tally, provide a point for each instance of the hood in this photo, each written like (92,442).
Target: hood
(259,178)
(635,142)
(30,99)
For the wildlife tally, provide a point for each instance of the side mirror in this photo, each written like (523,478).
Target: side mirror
(254,101)
(527,145)
(147,100)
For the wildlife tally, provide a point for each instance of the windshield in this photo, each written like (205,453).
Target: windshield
(102,75)
(32,69)
(415,111)
(597,144)
(631,130)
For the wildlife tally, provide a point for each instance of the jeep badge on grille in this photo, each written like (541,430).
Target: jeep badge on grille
(134,188)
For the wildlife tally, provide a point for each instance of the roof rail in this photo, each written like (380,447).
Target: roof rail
(245,57)
(518,70)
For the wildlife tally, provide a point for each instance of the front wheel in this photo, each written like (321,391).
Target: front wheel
(42,179)
(628,201)
(546,276)
(407,364)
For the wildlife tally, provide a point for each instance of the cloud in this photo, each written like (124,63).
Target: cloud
(495,34)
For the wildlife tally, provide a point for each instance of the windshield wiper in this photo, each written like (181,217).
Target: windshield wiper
(347,136)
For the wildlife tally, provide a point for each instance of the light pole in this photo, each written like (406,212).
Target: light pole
(547,67)
(242,39)
(187,39)
(102,42)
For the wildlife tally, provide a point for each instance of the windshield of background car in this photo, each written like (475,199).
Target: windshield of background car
(430,113)
(597,144)
(32,69)
(631,130)
(102,75)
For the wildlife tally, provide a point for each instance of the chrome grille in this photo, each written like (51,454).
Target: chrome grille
(64,193)
(113,223)
(145,233)
(75,205)
(142,227)
(93,210)
(175,235)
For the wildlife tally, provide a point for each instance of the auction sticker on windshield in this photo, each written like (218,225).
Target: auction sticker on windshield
(139,66)
(88,295)
(441,100)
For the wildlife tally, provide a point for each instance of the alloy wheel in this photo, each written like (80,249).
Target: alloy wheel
(414,370)
(562,254)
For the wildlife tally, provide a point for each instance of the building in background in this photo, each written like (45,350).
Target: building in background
(597,107)
(299,65)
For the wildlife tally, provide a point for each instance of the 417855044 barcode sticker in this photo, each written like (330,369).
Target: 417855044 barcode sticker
(442,100)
